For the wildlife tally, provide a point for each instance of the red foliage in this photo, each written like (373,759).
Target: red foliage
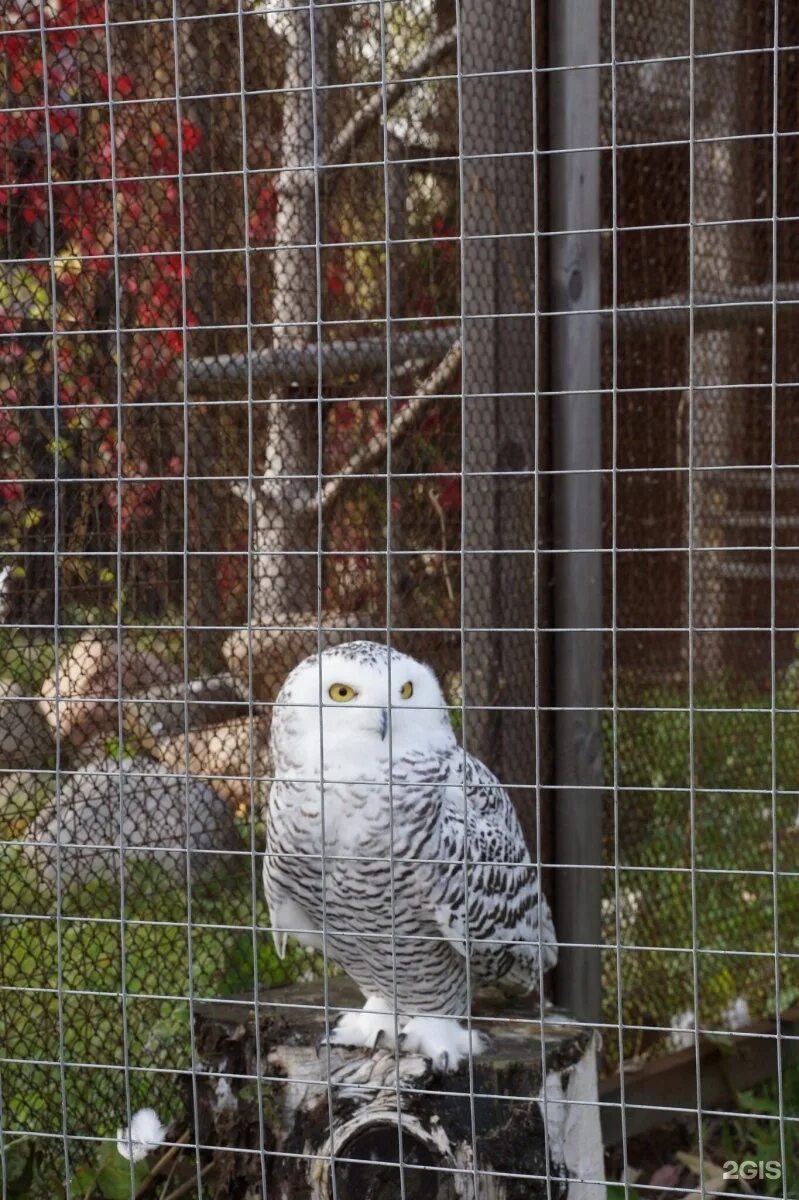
(192,136)
(262,213)
(10,492)
(442,229)
(334,280)
(449,494)
(71,138)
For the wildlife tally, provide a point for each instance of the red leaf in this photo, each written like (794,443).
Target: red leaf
(449,496)
(344,416)
(62,120)
(192,136)
(13,45)
(10,492)
(173,265)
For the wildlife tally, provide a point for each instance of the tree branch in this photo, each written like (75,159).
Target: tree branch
(372,110)
(375,448)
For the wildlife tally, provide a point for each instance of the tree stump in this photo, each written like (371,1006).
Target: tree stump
(347,1111)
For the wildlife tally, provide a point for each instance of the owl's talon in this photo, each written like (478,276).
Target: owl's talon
(332,1042)
(443,1041)
(366,1029)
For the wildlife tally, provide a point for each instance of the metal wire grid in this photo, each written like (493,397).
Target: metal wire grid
(38,595)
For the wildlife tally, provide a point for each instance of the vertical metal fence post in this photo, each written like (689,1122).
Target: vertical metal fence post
(574,288)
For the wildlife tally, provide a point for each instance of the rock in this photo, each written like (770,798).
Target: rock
(25,742)
(153,823)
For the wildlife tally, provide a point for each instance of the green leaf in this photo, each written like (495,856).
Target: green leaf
(113,1175)
(60,446)
(19,1167)
(83,1180)
(23,296)
(617,1191)
(768,1105)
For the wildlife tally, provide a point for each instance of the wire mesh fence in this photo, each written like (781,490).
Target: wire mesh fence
(465,329)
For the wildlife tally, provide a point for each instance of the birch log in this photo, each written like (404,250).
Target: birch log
(450,1138)
(284,578)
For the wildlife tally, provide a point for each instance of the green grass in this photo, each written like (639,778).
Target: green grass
(732,905)
(97,991)
(80,983)
(25,659)
(755,1135)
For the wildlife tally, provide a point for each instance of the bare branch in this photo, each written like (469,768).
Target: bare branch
(375,448)
(242,490)
(442,520)
(300,364)
(372,110)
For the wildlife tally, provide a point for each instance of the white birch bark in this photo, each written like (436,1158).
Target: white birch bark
(283,580)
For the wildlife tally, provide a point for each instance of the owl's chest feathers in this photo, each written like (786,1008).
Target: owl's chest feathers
(355,819)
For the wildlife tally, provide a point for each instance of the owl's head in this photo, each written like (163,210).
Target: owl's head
(373,702)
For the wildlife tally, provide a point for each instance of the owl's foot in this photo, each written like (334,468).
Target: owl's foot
(443,1040)
(371,1028)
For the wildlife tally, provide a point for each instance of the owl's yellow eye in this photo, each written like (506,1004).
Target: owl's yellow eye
(406,691)
(342,692)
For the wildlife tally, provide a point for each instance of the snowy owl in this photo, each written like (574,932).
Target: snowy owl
(373,813)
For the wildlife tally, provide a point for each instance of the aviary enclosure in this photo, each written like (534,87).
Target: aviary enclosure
(466,327)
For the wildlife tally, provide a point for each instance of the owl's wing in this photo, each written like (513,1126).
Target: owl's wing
(487,891)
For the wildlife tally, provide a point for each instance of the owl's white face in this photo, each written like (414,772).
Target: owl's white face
(371,706)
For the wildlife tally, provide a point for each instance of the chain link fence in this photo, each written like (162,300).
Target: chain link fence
(278,364)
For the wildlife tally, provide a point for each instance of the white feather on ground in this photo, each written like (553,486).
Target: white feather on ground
(146,1133)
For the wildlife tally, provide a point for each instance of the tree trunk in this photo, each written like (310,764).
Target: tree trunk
(284,581)
(370,1096)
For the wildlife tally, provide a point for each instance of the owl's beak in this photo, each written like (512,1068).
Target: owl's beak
(383,724)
